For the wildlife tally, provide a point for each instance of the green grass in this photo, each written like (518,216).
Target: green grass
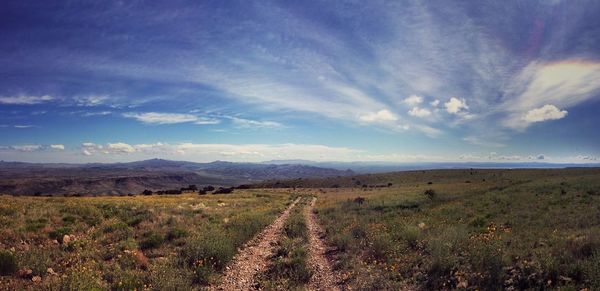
(125,243)
(504,228)
(288,268)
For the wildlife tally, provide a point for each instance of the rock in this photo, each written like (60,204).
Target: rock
(55,242)
(66,239)
(36,279)
(51,271)
(24,273)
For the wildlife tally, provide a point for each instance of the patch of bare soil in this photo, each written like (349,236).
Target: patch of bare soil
(323,277)
(253,258)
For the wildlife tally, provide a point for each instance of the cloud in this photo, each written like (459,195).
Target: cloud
(541,88)
(546,112)
(25,100)
(211,152)
(99,113)
(248,123)
(57,147)
(90,101)
(383,115)
(413,100)
(455,105)
(481,142)
(419,112)
(162,118)
(435,103)
(206,121)
(29,148)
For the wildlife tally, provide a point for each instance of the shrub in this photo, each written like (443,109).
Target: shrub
(147,192)
(34,225)
(152,241)
(222,190)
(8,263)
(208,188)
(176,233)
(213,249)
(430,193)
(359,200)
(167,276)
(59,233)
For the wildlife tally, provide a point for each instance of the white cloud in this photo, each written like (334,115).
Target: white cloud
(383,115)
(413,100)
(419,112)
(99,113)
(481,142)
(211,152)
(540,89)
(206,121)
(27,148)
(546,112)
(248,123)
(57,147)
(162,118)
(25,100)
(90,101)
(435,103)
(455,105)
(23,126)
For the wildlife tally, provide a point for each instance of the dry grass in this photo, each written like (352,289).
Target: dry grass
(482,229)
(125,243)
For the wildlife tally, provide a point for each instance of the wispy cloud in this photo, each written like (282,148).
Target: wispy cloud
(249,123)
(25,99)
(163,118)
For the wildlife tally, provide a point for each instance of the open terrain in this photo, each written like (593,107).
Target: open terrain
(440,229)
(135,177)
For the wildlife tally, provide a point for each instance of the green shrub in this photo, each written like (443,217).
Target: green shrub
(59,233)
(176,233)
(34,225)
(169,277)
(8,263)
(128,281)
(151,241)
(213,249)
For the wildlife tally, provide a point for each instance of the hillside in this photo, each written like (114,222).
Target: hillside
(124,178)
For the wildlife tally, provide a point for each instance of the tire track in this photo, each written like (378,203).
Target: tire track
(323,277)
(253,257)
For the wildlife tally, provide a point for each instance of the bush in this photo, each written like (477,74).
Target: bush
(152,241)
(176,233)
(359,200)
(222,190)
(213,249)
(8,263)
(59,233)
(430,193)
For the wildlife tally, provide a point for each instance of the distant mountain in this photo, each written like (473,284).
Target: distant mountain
(383,167)
(133,177)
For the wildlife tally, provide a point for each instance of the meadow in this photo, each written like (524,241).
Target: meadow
(420,230)
(170,242)
(464,229)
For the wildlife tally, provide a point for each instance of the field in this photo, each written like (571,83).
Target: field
(477,229)
(126,243)
(442,229)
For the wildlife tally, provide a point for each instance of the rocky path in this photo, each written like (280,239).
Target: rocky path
(323,278)
(253,257)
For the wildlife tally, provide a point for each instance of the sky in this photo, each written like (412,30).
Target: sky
(396,81)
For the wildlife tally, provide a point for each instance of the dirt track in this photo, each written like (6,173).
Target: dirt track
(323,277)
(253,257)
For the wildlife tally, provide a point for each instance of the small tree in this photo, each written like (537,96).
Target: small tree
(147,192)
(430,193)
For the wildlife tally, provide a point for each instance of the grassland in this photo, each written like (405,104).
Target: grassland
(428,230)
(289,268)
(477,229)
(123,243)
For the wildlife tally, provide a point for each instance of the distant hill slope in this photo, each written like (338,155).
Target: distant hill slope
(424,177)
(122,178)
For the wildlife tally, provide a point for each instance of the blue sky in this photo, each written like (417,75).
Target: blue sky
(402,81)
